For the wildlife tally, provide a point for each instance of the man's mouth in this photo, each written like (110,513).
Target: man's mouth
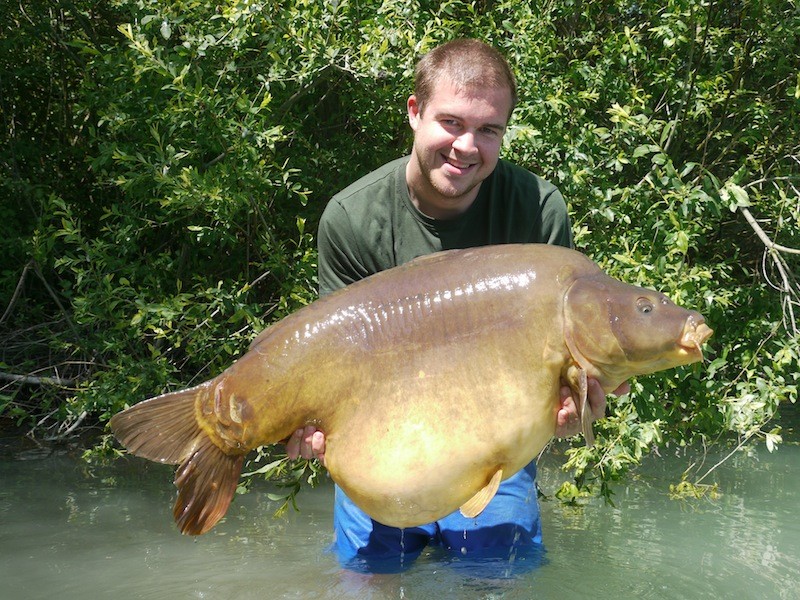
(457,165)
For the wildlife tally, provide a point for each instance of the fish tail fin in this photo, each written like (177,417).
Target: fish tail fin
(206,483)
(162,429)
(165,429)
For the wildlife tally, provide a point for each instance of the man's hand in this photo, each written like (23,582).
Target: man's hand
(308,442)
(568,422)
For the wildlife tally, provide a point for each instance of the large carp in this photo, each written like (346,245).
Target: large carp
(463,349)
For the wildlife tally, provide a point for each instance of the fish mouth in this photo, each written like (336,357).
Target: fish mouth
(695,333)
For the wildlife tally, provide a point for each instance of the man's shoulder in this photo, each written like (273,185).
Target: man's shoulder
(375,186)
(508,173)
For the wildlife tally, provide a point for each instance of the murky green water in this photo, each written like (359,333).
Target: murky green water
(72,531)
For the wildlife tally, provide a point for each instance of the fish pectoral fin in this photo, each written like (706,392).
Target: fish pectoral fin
(475,505)
(586,411)
(579,383)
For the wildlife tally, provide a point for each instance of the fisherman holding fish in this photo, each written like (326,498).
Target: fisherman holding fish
(452,191)
(434,378)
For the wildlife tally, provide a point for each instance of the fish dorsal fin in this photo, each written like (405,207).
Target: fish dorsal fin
(475,505)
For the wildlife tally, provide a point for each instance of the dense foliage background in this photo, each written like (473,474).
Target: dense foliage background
(164,164)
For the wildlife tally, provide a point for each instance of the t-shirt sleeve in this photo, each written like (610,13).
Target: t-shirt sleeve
(554,226)
(339,259)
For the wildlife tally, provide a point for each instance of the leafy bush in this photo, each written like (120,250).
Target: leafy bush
(167,163)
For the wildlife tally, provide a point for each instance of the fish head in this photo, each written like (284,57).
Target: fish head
(615,330)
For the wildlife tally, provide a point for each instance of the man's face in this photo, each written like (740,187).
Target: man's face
(457,139)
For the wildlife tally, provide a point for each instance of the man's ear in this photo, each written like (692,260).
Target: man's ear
(414,113)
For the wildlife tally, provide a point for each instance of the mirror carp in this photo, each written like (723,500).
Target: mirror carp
(432,381)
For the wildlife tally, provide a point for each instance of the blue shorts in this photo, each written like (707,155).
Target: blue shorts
(509,523)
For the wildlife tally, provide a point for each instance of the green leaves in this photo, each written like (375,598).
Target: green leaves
(659,121)
(288,476)
(168,162)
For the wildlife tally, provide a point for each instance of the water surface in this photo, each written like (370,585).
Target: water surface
(71,531)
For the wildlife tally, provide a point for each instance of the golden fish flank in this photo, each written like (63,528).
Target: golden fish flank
(394,369)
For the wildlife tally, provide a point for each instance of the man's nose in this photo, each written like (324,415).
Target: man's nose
(465,142)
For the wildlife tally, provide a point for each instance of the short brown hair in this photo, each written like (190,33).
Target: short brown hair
(469,64)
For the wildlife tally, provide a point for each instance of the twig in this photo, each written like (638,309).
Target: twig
(54,296)
(725,459)
(771,180)
(17,291)
(70,429)
(763,236)
(34,380)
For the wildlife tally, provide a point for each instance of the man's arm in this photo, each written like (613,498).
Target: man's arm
(337,266)
(338,259)
(554,227)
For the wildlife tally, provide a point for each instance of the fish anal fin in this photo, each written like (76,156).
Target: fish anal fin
(206,483)
(475,505)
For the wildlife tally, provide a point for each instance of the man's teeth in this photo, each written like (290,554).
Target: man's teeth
(458,165)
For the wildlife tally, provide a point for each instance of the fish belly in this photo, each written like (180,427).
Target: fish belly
(425,438)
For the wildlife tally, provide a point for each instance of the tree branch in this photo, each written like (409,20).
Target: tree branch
(34,380)
(17,291)
(54,296)
(763,236)
(788,285)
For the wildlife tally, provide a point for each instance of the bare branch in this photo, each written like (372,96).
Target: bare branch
(17,291)
(66,432)
(55,298)
(788,285)
(34,380)
(763,236)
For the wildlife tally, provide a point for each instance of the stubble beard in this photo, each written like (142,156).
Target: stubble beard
(447,192)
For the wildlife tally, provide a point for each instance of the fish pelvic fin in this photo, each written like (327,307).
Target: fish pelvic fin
(165,429)
(475,505)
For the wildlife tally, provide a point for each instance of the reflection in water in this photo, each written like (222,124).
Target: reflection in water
(72,531)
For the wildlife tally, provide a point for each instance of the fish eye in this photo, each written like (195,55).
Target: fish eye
(644,306)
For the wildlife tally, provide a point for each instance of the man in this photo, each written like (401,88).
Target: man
(453,191)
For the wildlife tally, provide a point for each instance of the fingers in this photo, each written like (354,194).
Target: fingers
(568,416)
(567,419)
(293,445)
(569,409)
(307,442)
(624,388)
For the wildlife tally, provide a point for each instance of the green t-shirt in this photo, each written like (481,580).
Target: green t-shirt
(372,225)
